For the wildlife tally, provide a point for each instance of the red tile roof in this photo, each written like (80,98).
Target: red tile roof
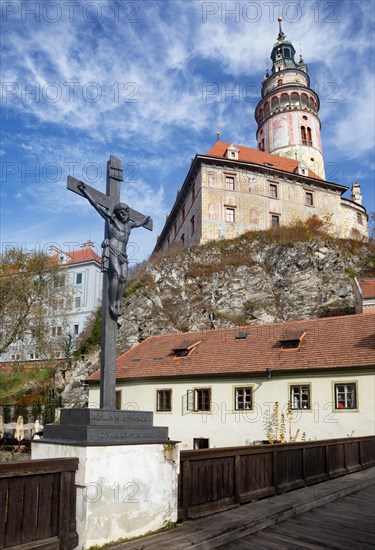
(329,343)
(367,287)
(82,255)
(254,156)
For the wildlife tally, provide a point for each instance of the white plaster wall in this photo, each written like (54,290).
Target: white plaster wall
(122,491)
(225,427)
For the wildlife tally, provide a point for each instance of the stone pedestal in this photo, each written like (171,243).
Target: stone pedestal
(127,479)
(105,427)
(123,491)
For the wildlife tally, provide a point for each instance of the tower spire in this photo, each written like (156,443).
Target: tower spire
(281,36)
(287,114)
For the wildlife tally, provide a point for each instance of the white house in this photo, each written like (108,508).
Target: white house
(364,292)
(81,279)
(84,278)
(218,388)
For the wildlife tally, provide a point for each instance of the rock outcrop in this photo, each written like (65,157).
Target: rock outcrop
(239,282)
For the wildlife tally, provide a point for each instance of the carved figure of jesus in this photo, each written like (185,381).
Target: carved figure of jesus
(115,259)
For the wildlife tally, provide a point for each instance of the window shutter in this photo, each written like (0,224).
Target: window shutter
(190,400)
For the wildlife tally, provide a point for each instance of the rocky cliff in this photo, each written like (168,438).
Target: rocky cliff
(260,277)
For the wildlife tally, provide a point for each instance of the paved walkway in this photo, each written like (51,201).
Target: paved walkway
(229,529)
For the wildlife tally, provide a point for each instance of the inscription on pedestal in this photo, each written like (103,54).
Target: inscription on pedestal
(104,426)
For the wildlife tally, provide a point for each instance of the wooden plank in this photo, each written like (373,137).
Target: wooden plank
(4,483)
(30,510)
(186,484)
(15,511)
(64,511)
(73,511)
(55,504)
(44,507)
(237,483)
(36,467)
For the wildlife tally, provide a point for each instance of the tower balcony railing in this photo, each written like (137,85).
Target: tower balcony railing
(277,110)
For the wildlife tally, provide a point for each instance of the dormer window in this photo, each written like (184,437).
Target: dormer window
(292,341)
(185,348)
(290,344)
(183,352)
(302,169)
(232,152)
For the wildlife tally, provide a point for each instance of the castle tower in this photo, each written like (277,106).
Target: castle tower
(287,114)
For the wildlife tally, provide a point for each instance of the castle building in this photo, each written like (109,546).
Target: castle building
(233,189)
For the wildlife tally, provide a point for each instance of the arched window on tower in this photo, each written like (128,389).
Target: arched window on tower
(267,109)
(294,99)
(261,145)
(303,135)
(287,52)
(309,137)
(284,100)
(311,103)
(275,103)
(280,82)
(304,100)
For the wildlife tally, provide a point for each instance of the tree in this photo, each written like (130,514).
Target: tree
(33,299)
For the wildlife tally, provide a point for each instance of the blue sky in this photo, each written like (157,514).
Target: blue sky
(150,81)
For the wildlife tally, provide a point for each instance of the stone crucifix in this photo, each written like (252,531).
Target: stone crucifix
(120,219)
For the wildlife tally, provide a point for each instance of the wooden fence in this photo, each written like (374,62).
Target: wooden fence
(218,479)
(38,504)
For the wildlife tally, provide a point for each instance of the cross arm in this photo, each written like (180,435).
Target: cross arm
(98,196)
(103,200)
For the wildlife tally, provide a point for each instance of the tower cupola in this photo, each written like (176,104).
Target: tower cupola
(282,54)
(287,114)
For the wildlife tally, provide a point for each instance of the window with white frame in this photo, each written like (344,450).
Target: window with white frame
(243,398)
(229,183)
(229,215)
(78,278)
(346,396)
(77,302)
(300,396)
